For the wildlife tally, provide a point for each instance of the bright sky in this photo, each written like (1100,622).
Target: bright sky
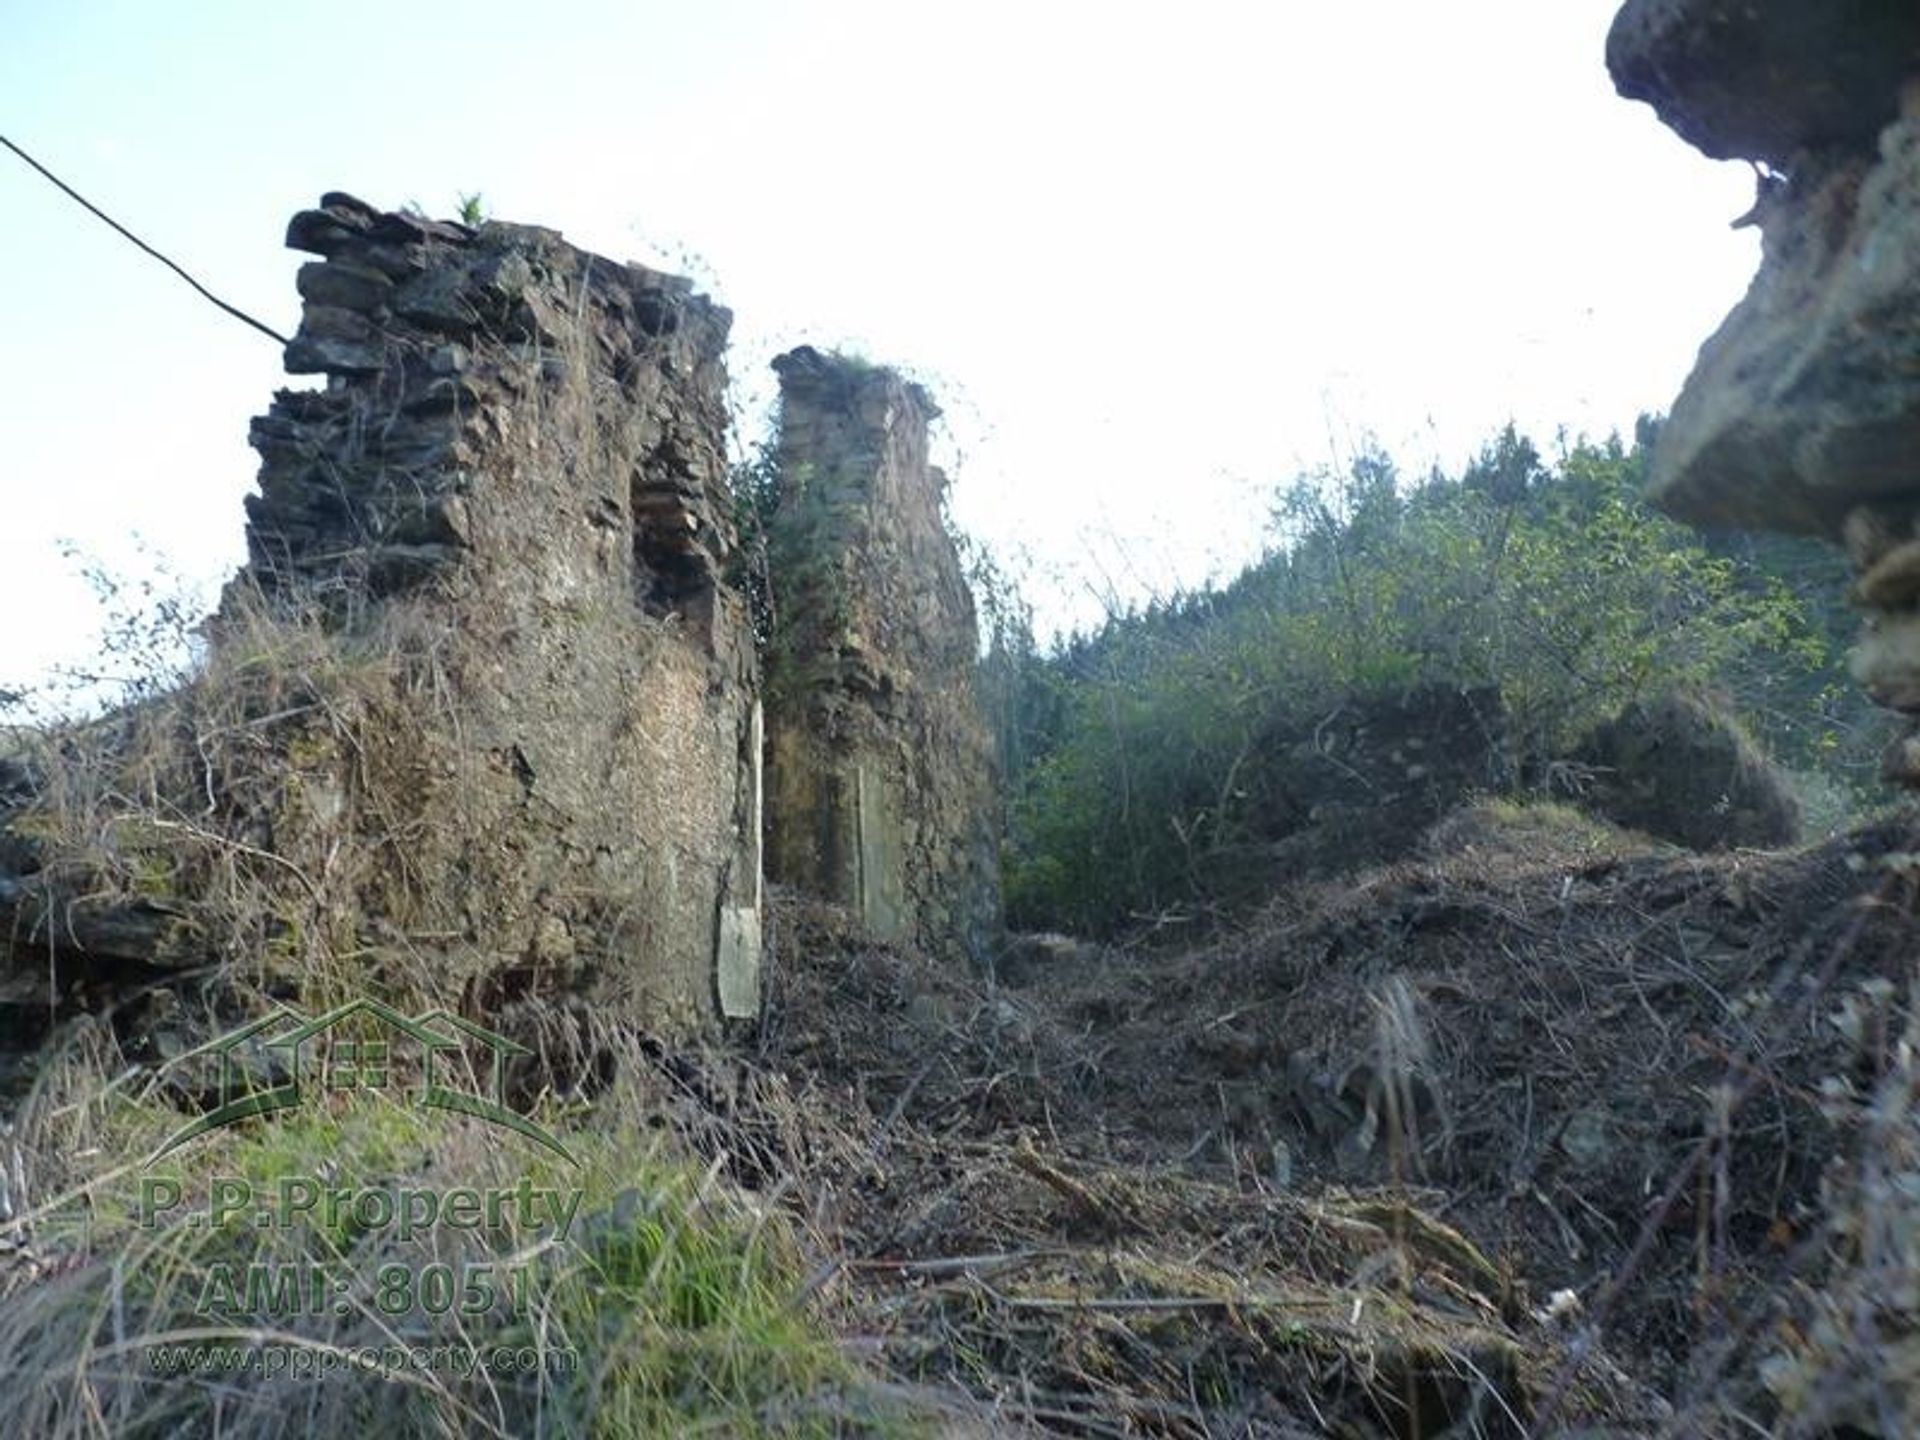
(1155,258)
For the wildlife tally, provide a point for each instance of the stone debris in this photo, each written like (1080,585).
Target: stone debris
(1677,767)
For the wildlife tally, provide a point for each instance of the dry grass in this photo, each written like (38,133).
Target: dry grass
(675,1303)
(1673,1086)
(216,803)
(1321,1175)
(911,1161)
(1011,1233)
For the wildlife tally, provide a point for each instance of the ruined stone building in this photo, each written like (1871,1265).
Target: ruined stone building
(530,755)
(526,443)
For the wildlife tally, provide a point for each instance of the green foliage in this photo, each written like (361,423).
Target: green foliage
(755,487)
(798,597)
(1020,696)
(1555,585)
(1824,724)
(471,209)
(692,1310)
(671,1303)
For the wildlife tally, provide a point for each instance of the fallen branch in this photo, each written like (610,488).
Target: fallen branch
(1026,1158)
(957,1264)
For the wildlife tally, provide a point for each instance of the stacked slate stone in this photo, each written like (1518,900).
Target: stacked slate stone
(520,452)
(430,334)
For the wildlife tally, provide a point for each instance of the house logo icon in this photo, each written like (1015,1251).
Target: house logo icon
(360,1046)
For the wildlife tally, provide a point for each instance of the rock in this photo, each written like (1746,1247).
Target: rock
(435,520)
(1766,79)
(1332,792)
(1806,402)
(330,322)
(439,300)
(1900,761)
(351,208)
(340,221)
(1886,662)
(1030,957)
(1803,412)
(1680,769)
(53,926)
(1892,582)
(439,397)
(553,942)
(350,287)
(332,340)
(18,781)
(1869,535)
(504,276)
(399,227)
(1587,1139)
(393,569)
(331,355)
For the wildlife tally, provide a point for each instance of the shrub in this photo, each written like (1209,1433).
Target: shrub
(1557,587)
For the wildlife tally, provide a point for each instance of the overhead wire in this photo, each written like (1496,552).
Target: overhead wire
(127,234)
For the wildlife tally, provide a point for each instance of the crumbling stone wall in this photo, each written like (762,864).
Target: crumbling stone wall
(1803,411)
(880,783)
(520,450)
(483,713)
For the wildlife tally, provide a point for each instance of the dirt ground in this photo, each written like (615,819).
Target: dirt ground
(1548,1130)
(1544,1130)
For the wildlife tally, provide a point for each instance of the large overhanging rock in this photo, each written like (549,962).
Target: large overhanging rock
(1806,402)
(1802,413)
(1766,79)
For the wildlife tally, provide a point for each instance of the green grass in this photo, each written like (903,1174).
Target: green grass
(675,1304)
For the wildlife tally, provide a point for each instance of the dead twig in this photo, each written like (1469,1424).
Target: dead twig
(1026,1158)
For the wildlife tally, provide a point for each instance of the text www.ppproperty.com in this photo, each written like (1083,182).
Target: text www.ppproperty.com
(306,1361)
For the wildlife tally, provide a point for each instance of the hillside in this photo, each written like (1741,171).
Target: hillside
(611,938)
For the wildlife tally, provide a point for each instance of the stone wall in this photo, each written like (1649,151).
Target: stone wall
(881,792)
(482,715)
(517,466)
(1803,411)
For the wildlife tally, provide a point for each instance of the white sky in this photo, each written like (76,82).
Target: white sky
(1155,258)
